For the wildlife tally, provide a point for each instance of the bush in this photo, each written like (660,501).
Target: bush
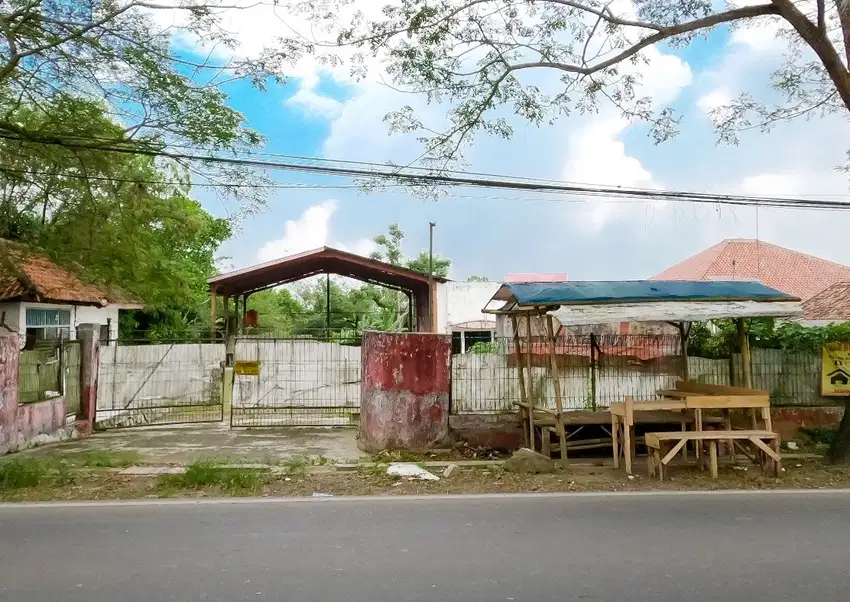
(17,474)
(207,473)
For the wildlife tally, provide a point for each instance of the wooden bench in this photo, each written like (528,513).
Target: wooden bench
(766,445)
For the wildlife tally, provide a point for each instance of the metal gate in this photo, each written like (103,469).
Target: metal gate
(296,382)
(171,383)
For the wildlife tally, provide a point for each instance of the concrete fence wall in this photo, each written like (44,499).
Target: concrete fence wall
(23,425)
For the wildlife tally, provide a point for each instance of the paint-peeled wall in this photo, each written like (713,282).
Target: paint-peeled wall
(405,391)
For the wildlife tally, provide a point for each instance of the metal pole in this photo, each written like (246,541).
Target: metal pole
(431,297)
(431,226)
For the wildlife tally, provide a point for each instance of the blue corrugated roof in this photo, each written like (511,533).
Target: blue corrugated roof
(633,291)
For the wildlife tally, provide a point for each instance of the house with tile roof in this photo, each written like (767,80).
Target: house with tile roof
(42,300)
(799,274)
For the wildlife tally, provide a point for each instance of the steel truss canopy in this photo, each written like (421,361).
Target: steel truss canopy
(579,303)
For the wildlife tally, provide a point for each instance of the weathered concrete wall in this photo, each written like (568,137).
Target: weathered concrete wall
(406,385)
(502,432)
(22,426)
(460,302)
(787,421)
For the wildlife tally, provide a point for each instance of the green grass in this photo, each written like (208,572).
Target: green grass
(209,473)
(110,459)
(21,473)
(295,465)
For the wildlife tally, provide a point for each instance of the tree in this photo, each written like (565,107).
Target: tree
(423,262)
(481,56)
(477,56)
(120,219)
(116,53)
(478,279)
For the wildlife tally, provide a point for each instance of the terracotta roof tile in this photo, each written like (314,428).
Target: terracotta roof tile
(832,303)
(32,274)
(789,271)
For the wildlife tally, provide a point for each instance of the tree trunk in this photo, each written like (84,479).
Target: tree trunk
(839,451)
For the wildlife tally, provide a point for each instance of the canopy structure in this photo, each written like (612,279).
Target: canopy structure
(591,302)
(325,260)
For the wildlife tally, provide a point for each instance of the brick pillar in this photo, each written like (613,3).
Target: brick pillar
(89,335)
(405,389)
(10,349)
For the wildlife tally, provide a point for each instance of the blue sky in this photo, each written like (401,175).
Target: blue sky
(320,113)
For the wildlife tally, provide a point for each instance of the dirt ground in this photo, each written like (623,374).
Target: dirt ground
(104,484)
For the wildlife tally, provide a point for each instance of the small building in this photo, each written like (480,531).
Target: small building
(41,300)
(830,306)
(797,274)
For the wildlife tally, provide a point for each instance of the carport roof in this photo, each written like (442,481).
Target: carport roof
(324,260)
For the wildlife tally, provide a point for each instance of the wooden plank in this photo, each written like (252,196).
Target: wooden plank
(691,386)
(758,442)
(709,435)
(522,392)
(557,383)
(675,450)
(671,393)
(653,440)
(615,434)
(529,380)
(712,454)
(628,427)
(722,402)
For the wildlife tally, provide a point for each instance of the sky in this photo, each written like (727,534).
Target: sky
(323,113)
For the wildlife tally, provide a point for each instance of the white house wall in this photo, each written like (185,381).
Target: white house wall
(86,314)
(459,302)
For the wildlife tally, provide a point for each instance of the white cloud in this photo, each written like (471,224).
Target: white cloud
(311,101)
(310,231)
(715,99)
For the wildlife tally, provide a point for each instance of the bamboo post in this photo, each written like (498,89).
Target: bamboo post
(628,426)
(523,397)
(530,381)
(593,370)
(746,359)
(684,333)
(556,381)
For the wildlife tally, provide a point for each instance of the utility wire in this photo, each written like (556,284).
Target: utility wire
(407,176)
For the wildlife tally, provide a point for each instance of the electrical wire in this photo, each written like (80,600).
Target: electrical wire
(408,176)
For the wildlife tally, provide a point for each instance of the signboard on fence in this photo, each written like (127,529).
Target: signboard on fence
(835,370)
(245,368)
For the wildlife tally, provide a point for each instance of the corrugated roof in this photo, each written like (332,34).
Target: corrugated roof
(789,271)
(30,274)
(636,291)
(830,304)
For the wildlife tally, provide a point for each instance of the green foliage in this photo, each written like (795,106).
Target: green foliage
(478,279)
(719,338)
(208,473)
(20,473)
(110,459)
(482,348)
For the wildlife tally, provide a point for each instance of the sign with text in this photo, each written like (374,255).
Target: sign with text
(835,370)
(244,368)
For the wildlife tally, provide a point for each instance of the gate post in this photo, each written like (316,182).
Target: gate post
(89,336)
(405,391)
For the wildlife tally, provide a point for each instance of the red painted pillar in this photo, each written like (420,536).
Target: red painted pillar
(10,345)
(405,391)
(89,336)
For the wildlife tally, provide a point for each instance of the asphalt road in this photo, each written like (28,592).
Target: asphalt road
(695,548)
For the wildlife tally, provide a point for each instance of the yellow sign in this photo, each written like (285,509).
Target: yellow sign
(835,371)
(247,368)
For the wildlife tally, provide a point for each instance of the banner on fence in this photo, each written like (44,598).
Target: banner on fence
(835,370)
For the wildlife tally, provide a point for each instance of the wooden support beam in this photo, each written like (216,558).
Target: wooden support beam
(746,358)
(530,380)
(528,433)
(556,382)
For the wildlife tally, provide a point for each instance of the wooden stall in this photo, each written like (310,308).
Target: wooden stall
(587,303)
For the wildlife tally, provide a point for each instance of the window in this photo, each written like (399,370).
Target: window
(464,340)
(47,325)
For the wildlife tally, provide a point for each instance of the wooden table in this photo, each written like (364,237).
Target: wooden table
(623,421)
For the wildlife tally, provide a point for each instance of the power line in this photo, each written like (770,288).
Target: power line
(403,175)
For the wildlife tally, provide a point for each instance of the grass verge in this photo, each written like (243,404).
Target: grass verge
(211,475)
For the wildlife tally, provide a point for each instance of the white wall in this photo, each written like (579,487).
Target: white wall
(459,302)
(86,314)
(81,314)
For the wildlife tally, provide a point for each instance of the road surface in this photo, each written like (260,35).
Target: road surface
(698,548)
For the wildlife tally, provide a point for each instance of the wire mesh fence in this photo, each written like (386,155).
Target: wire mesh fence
(163,383)
(296,382)
(594,371)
